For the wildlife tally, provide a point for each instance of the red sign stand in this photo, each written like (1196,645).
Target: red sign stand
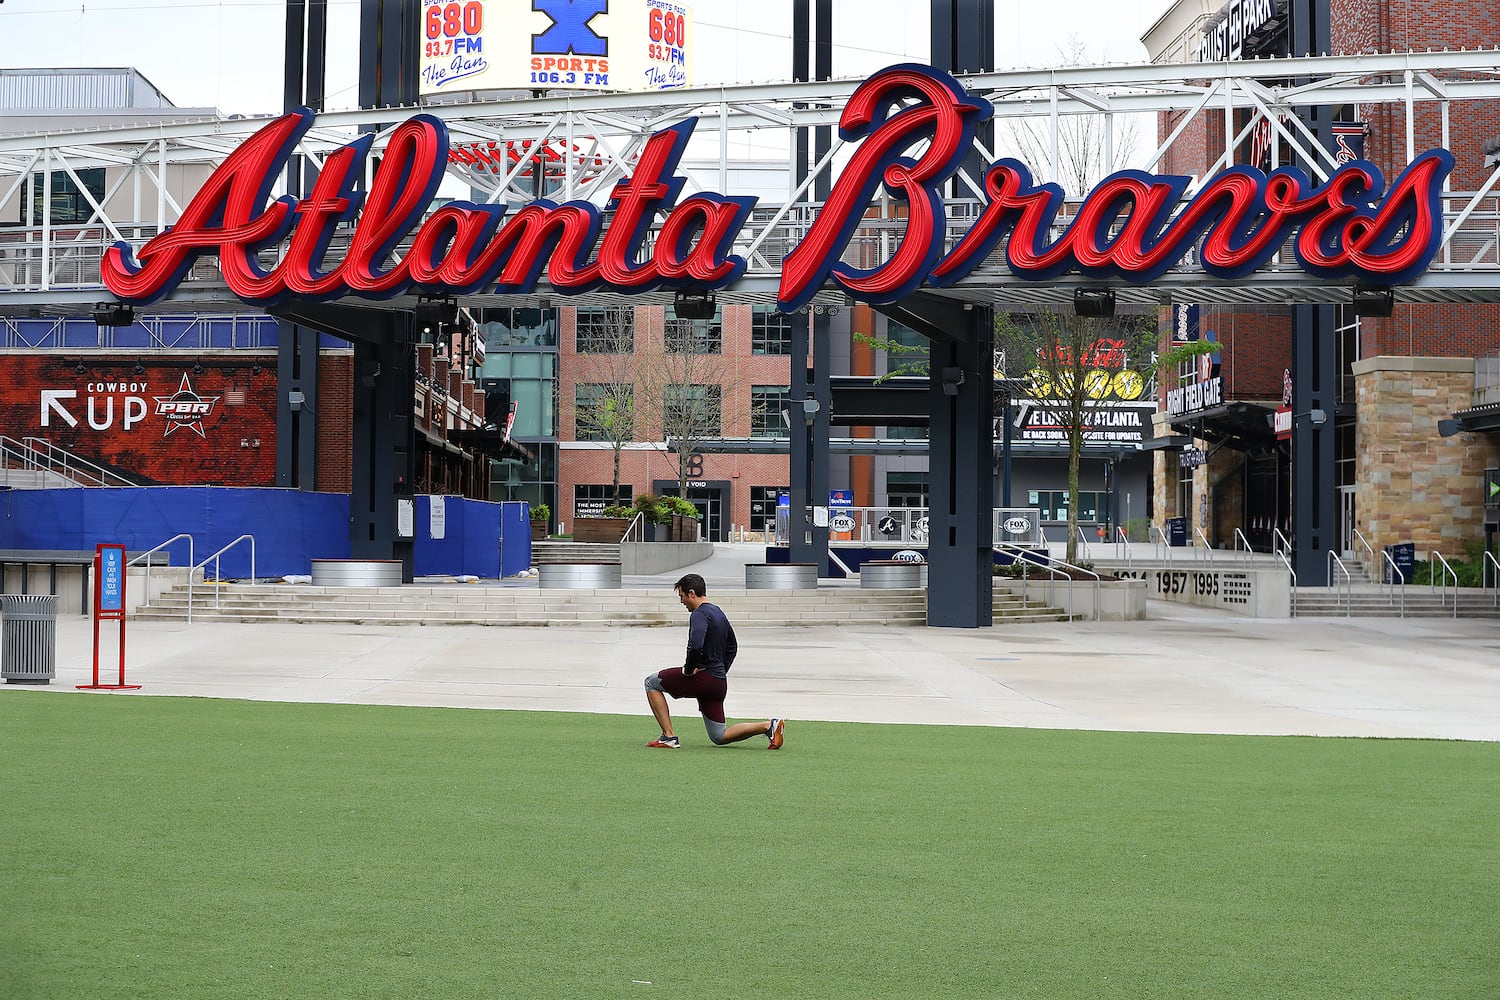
(109,605)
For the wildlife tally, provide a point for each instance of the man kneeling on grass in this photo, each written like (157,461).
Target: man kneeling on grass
(711,649)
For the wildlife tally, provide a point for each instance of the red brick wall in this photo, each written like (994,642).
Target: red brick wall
(641,466)
(335,422)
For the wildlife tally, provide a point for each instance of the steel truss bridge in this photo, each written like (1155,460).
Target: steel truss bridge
(592,141)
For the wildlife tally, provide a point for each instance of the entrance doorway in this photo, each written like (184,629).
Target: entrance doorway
(711,497)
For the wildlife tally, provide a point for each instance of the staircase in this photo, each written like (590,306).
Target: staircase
(572,552)
(1370,600)
(460,604)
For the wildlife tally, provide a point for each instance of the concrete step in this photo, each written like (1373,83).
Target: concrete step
(568,552)
(469,604)
(1327,602)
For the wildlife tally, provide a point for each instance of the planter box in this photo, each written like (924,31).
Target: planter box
(538,531)
(578,576)
(608,530)
(892,574)
(684,529)
(781,576)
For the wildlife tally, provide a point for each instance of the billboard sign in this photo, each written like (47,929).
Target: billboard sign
(632,45)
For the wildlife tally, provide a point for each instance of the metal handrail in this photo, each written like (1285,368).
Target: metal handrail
(1368,548)
(1288,564)
(1164,543)
(630,529)
(70,463)
(1239,536)
(1333,557)
(1286,543)
(1394,575)
(147,602)
(1028,557)
(833,557)
(1489,557)
(1123,536)
(1207,552)
(1083,538)
(1447,572)
(215,558)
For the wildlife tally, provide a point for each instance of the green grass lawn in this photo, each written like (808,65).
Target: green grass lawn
(170,848)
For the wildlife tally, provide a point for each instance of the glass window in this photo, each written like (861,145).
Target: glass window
(1053,505)
(692,411)
(605,331)
(590,499)
(602,411)
(906,489)
(518,327)
(766,417)
(68,202)
(695,336)
(533,390)
(763,507)
(770,330)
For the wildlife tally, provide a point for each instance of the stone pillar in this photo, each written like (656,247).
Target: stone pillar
(1415,485)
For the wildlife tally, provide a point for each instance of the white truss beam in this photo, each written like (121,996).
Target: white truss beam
(43,265)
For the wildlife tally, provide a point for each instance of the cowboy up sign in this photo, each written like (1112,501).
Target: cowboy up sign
(914,125)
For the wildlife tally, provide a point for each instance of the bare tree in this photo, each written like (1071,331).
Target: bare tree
(1085,148)
(604,402)
(683,380)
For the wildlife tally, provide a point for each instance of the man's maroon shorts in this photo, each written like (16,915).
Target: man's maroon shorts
(702,685)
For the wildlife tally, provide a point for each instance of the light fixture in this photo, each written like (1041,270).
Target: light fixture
(140,369)
(431,314)
(1373,300)
(694,305)
(1095,302)
(197,368)
(1317,417)
(256,369)
(80,368)
(296,399)
(113,314)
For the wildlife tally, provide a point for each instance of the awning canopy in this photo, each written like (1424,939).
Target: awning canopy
(1239,425)
(491,443)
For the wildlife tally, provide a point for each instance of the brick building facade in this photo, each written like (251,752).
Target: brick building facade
(1400,479)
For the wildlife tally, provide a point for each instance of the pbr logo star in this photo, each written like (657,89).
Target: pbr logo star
(185,408)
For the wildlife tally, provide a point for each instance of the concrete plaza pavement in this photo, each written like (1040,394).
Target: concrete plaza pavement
(1182,670)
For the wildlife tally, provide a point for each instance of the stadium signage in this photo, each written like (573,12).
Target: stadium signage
(1237,20)
(1195,396)
(912,126)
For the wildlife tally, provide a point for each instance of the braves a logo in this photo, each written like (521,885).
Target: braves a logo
(185,408)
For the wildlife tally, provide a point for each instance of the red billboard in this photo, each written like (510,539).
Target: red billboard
(209,423)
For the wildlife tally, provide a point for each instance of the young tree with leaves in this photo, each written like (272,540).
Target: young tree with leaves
(1075,364)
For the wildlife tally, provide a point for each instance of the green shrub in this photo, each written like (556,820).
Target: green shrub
(541,512)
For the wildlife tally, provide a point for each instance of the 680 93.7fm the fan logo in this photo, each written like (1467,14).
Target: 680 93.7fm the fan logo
(185,408)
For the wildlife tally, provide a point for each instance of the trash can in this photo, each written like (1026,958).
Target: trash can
(1404,555)
(1177,531)
(28,638)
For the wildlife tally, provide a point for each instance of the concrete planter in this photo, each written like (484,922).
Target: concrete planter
(608,530)
(781,576)
(892,574)
(579,576)
(356,572)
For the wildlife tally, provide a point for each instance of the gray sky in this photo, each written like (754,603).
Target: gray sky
(227,53)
